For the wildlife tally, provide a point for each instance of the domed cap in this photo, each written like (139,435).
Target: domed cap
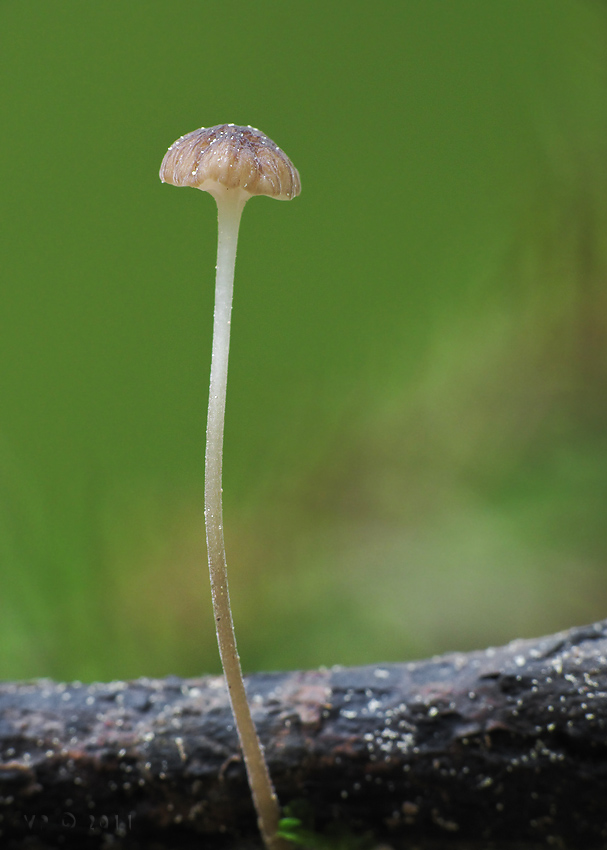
(231,157)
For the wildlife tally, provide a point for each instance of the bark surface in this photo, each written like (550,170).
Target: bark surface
(505,747)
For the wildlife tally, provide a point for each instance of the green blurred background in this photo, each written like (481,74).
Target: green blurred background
(416,443)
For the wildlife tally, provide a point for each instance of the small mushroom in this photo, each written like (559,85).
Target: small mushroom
(231,163)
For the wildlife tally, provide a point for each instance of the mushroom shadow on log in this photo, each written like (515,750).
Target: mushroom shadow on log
(505,748)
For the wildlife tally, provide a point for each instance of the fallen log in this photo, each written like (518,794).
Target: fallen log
(505,747)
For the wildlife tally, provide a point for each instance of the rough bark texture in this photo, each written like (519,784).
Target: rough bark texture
(506,747)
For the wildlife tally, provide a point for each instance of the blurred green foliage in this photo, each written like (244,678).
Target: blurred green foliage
(416,445)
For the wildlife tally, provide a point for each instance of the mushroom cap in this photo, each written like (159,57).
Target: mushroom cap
(231,157)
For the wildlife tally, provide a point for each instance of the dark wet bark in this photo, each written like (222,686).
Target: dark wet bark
(506,747)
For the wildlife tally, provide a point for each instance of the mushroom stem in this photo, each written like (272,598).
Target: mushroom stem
(230,204)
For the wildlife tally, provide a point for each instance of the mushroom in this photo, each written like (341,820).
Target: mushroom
(231,163)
